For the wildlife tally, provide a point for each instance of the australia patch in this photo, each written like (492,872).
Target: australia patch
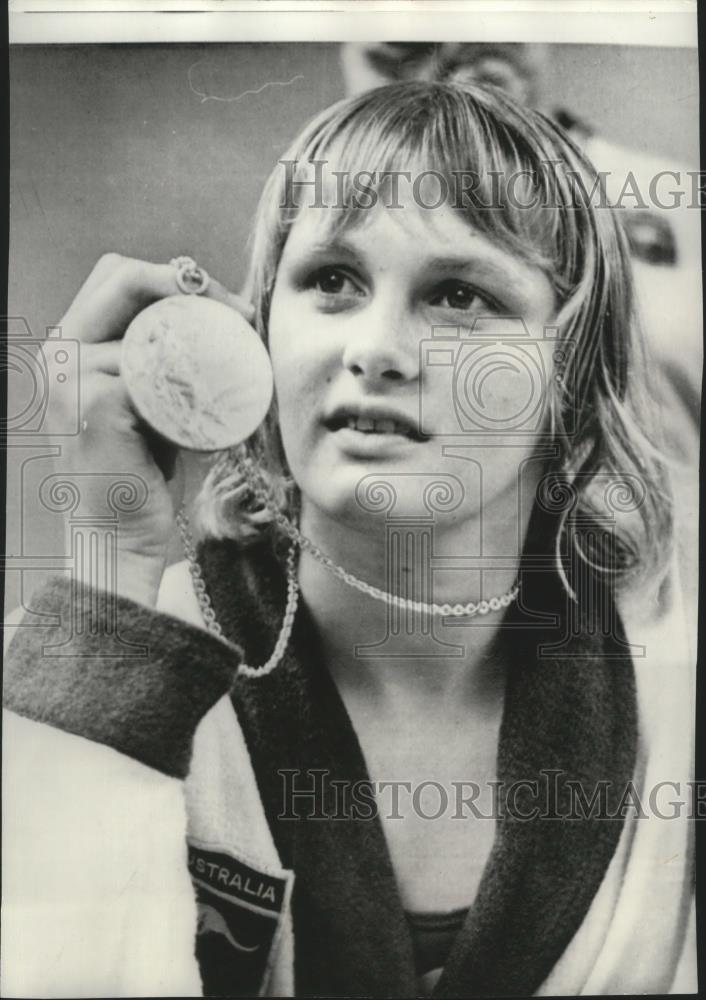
(240,908)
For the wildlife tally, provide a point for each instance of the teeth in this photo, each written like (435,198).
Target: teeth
(369,426)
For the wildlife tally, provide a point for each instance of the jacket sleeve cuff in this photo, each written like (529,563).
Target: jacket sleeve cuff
(118,673)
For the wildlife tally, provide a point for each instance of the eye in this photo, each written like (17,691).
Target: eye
(332,281)
(458,295)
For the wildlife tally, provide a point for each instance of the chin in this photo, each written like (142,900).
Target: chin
(335,492)
(367,495)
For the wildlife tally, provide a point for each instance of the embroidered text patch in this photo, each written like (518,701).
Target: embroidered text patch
(239,910)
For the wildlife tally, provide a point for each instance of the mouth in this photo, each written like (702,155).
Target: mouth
(375,424)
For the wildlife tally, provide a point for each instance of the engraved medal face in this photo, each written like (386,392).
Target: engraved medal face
(197,372)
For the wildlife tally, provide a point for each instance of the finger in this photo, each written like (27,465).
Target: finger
(102,357)
(110,414)
(177,481)
(242,305)
(130,286)
(104,267)
(163,452)
(220,293)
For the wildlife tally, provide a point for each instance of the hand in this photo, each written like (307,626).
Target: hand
(114,440)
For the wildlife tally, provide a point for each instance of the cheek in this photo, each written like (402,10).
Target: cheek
(300,383)
(491,388)
(299,377)
(288,367)
(502,388)
(303,356)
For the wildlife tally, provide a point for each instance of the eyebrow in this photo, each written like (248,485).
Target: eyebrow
(335,246)
(504,271)
(446,263)
(479,262)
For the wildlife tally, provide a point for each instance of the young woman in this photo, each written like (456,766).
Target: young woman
(400,727)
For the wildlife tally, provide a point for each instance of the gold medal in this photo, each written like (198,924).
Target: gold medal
(197,372)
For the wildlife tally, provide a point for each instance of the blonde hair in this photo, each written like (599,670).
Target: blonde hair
(607,462)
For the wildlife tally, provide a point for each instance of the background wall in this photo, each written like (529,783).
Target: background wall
(644,98)
(154,151)
(113,148)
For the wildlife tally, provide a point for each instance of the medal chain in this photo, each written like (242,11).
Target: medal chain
(209,615)
(297,539)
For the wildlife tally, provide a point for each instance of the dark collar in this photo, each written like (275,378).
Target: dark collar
(570,707)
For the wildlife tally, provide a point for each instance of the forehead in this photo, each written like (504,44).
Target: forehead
(335,192)
(441,228)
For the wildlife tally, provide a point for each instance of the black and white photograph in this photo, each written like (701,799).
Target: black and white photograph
(354,362)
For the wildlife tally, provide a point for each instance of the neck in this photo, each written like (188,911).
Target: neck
(383,650)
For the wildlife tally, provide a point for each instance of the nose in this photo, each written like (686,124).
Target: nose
(381,348)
